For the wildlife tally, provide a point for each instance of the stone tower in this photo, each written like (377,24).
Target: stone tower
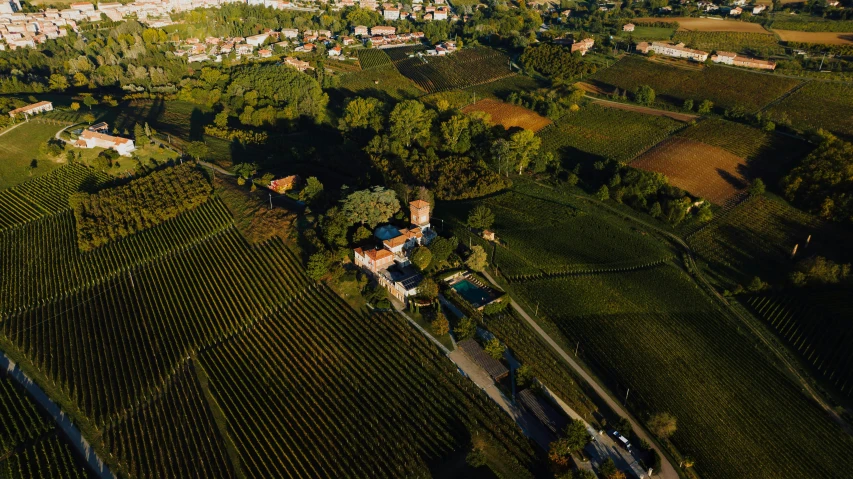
(419,213)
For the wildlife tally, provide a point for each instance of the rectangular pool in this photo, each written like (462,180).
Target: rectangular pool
(472,293)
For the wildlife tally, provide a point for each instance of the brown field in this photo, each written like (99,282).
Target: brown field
(826,38)
(708,24)
(702,170)
(509,115)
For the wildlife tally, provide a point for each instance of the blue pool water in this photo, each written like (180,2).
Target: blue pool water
(472,293)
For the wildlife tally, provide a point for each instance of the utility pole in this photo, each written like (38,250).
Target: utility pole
(820,68)
(270,200)
(626,397)
(537,309)
(576,348)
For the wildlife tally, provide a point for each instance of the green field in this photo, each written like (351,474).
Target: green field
(655,332)
(541,237)
(642,32)
(598,132)
(461,69)
(380,81)
(757,44)
(372,58)
(757,239)
(29,444)
(815,323)
(184,341)
(824,105)
(725,87)
(19,148)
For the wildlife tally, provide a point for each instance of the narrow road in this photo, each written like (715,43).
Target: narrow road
(76,439)
(667,470)
(7,130)
(685,117)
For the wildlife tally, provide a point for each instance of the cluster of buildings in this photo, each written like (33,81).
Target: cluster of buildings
(738,7)
(390,264)
(680,51)
(581,46)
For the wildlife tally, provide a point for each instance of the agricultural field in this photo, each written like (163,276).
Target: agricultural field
(656,332)
(29,444)
(540,237)
(19,152)
(768,155)
(824,105)
(462,69)
(702,170)
(184,341)
(757,239)
(598,132)
(818,38)
(707,24)
(382,80)
(509,115)
(644,33)
(373,58)
(815,323)
(756,44)
(725,87)
(811,24)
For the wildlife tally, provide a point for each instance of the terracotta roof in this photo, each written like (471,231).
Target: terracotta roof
(30,107)
(418,204)
(396,241)
(100,136)
(374,254)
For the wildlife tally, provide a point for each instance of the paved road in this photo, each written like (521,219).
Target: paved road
(76,439)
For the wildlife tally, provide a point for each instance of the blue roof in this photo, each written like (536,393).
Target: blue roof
(386,232)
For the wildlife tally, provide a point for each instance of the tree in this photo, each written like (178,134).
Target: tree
(410,121)
(421,257)
(139,135)
(75,106)
(478,259)
(655,211)
(58,82)
(662,425)
(644,95)
(603,193)
(362,113)
(361,234)
(441,249)
(494,348)
(688,105)
(574,439)
(89,118)
(198,150)
(481,218)
(89,101)
(334,225)
(757,188)
(455,134)
(523,376)
(466,329)
(428,289)
(221,119)
(608,468)
(245,170)
(440,325)
(705,107)
(311,191)
(318,265)
(370,207)
(756,284)
(524,144)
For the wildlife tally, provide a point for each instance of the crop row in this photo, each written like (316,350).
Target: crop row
(461,69)
(819,104)
(318,390)
(40,260)
(760,44)
(114,343)
(19,419)
(48,457)
(172,436)
(372,58)
(821,337)
(654,332)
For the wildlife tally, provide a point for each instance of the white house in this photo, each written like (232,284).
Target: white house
(32,109)
(257,40)
(93,139)
(391,13)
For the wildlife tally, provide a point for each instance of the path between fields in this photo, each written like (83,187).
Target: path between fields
(7,130)
(63,422)
(685,117)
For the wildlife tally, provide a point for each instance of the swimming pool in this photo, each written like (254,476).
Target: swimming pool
(472,293)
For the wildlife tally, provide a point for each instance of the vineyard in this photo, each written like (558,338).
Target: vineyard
(816,325)
(725,87)
(599,132)
(509,115)
(462,69)
(758,237)
(758,44)
(318,390)
(702,170)
(813,26)
(818,105)
(373,58)
(539,237)
(654,331)
(29,445)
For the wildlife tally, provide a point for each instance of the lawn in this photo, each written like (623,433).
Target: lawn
(19,148)
(642,32)
(384,82)
(725,87)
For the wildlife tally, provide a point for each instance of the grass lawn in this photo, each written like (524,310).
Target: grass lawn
(650,33)
(19,147)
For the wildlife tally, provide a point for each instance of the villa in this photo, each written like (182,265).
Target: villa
(39,107)
(93,139)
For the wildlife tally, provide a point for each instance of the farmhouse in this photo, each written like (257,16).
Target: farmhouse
(673,50)
(730,58)
(282,185)
(582,46)
(360,30)
(628,27)
(32,109)
(382,30)
(93,139)
(390,264)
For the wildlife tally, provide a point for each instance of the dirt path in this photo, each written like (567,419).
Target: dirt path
(685,117)
(7,130)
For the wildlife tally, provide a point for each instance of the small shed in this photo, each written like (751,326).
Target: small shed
(282,185)
(492,366)
(488,235)
(544,411)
